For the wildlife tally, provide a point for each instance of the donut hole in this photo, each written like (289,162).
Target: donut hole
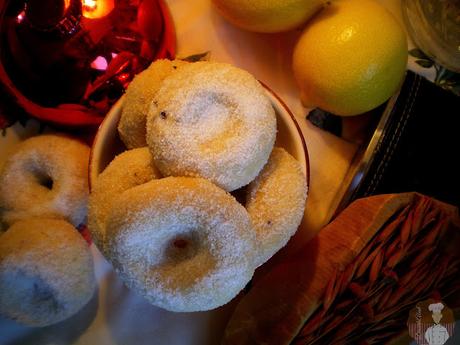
(31,295)
(43,294)
(45,181)
(43,178)
(180,243)
(182,246)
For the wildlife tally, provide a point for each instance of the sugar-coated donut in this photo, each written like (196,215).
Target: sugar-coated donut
(182,243)
(46,176)
(211,120)
(46,272)
(128,169)
(139,94)
(276,202)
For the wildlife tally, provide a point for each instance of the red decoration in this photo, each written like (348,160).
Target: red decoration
(71,67)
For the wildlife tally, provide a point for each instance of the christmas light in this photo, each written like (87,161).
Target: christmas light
(94,9)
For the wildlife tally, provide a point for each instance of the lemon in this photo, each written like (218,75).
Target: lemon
(350,58)
(267,15)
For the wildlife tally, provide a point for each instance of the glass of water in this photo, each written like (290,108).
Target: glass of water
(434,26)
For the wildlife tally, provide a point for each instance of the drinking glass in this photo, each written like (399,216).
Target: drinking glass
(434,26)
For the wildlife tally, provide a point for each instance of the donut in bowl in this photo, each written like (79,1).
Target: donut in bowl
(275,202)
(182,243)
(139,95)
(211,120)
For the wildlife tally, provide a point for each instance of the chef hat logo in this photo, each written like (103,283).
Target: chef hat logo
(436,307)
(431,322)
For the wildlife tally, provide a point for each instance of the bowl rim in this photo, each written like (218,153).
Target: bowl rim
(299,130)
(117,107)
(94,146)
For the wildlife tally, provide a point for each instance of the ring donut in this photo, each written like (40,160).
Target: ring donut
(276,203)
(211,120)
(46,272)
(139,94)
(46,176)
(182,243)
(128,169)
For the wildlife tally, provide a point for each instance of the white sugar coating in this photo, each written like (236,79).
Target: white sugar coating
(211,120)
(129,169)
(46,272)
(182,243)
(276,203)
(139,94)
(45,176)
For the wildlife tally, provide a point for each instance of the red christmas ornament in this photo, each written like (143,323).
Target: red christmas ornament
(68,61)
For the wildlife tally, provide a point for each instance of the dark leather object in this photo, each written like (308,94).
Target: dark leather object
(419,149)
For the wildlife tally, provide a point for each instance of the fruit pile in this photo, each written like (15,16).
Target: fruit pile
(351,56)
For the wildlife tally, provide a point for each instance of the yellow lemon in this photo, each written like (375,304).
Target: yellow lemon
(351,57)
(267,15)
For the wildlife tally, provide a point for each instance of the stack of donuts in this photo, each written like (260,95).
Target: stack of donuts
(162,211)
(46,267)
